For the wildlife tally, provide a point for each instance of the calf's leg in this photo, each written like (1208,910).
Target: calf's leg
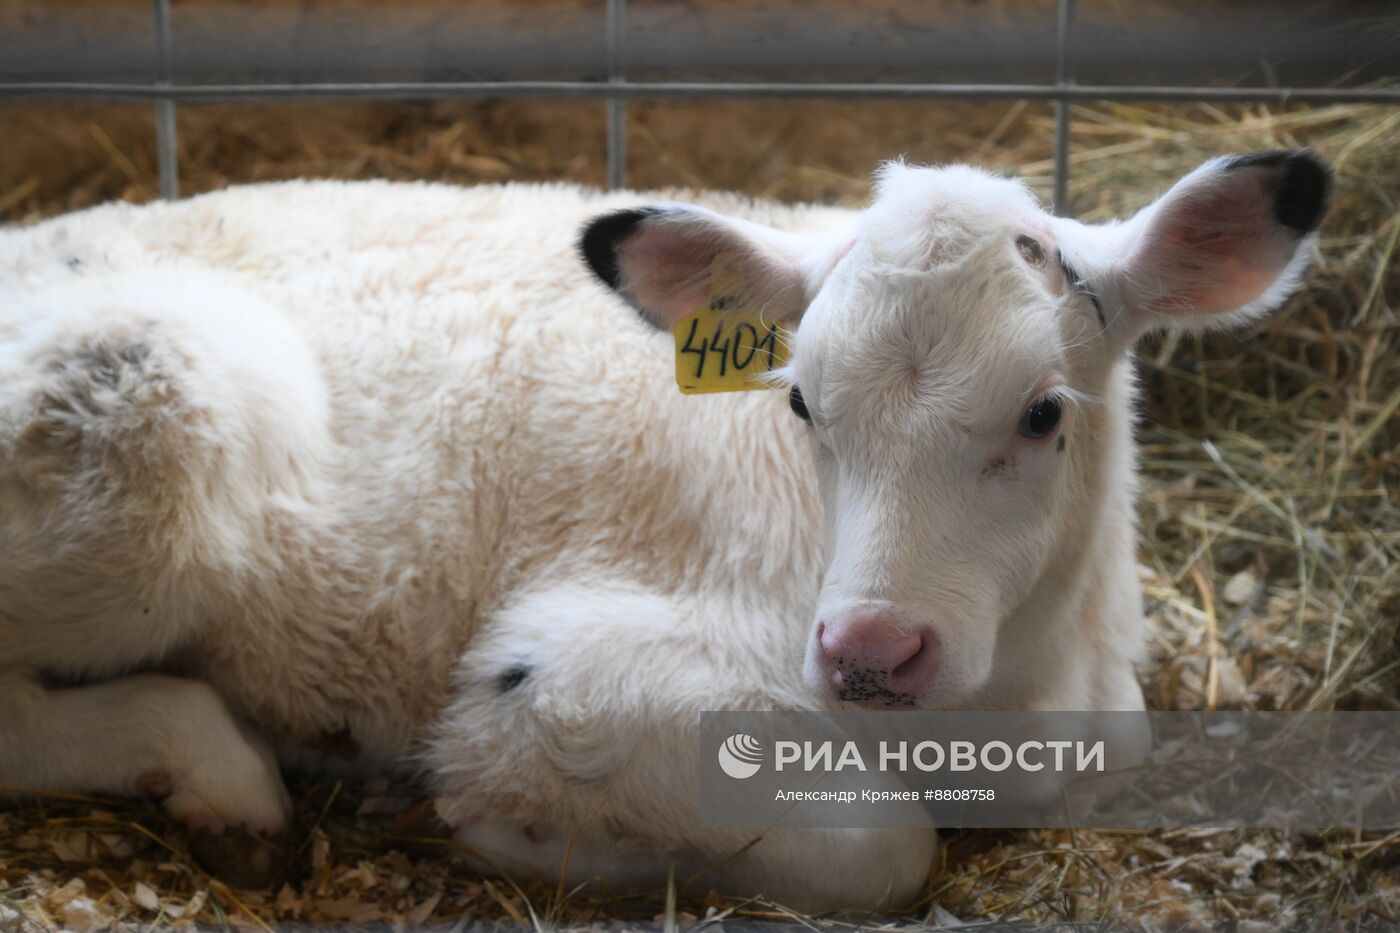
(570,748)
(148,735)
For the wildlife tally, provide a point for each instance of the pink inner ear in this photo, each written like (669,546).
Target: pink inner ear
(1219,250)
(667,271)
(1237,283)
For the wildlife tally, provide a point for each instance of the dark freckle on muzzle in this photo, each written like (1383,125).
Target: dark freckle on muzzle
(513,678)
(868,685)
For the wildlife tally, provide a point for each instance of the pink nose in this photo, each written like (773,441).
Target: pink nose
(876,659)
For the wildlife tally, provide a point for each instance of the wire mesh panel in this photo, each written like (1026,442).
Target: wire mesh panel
(1053,50)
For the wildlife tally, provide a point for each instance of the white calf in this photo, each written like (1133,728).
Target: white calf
(321,471)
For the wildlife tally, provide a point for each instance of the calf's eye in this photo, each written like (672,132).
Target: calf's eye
(799,407)
(1040,418)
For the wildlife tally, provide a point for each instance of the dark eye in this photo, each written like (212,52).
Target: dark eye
(1041,418)
(1031,250)
(799,407)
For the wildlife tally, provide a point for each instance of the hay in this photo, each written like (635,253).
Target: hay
(1269,538)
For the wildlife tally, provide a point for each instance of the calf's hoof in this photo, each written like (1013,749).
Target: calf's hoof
(242,859)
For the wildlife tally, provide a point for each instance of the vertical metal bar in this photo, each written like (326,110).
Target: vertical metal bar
(1063,77)
(167,151)
(617,107)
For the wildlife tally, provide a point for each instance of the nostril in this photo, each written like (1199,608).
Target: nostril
(921,667)
(913,661)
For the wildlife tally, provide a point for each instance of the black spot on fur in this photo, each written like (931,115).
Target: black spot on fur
(513,678)
(598,244)
(1060,445)
(339,744)
(1304,185)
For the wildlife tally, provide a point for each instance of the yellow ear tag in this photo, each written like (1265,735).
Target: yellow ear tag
(725,348)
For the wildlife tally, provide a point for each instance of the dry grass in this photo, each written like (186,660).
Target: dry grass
(1269,538)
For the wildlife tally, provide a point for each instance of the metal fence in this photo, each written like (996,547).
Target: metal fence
(616,90)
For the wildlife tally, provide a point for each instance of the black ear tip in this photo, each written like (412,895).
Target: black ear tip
(1304,185)
(600,238)
(1303,192)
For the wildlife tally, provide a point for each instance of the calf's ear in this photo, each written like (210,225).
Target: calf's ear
(668,260)
(1227,243)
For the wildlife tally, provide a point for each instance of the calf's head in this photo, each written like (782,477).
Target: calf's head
(952,346)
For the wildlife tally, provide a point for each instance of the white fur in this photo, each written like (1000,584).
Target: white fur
(349,454)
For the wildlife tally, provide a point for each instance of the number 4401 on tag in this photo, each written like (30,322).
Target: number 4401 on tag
(727,351)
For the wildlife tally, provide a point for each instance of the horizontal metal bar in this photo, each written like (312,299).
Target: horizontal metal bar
(431,90)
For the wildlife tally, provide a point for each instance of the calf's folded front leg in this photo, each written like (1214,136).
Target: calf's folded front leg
(155,736)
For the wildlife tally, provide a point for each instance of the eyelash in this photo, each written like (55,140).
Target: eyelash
(1078,283)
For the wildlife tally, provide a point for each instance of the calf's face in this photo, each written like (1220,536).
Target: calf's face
(952,344)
